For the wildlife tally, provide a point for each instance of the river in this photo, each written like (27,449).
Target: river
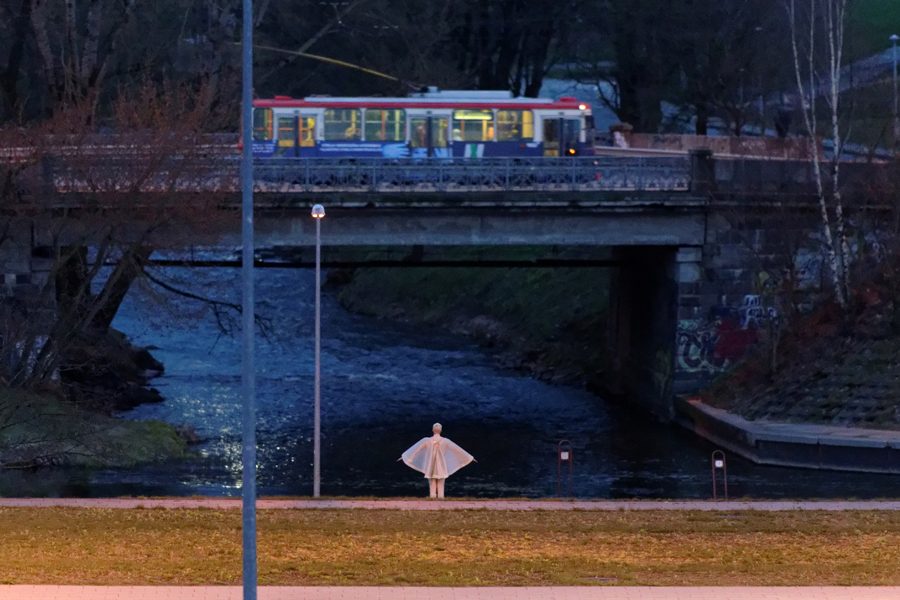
(383,385)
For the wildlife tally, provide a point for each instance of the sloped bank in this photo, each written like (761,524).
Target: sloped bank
(547,322)
(72,422)
(833,400)
(46,430)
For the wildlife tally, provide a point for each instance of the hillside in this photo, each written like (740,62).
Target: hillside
(831,369)
(542,320)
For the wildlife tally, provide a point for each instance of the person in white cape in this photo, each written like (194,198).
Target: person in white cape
(438,458)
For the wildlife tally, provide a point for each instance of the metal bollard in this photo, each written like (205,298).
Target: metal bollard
(718,464)
(564,454)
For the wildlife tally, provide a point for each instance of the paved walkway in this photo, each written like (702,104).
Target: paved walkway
(450,504)
(53,592)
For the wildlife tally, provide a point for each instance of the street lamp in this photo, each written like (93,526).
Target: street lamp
(318,213)
(248,369)
(894,39)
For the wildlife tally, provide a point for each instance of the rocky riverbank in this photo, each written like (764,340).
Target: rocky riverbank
(42,429)
(107,374)
(832,369)
(548,322)
(72,421)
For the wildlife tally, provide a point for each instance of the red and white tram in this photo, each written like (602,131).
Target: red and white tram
(433,123)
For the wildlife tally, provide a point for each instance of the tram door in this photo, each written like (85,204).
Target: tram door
(561,136)
(571,128)
(429,134)
(307,125)
(286,126)
(551,131)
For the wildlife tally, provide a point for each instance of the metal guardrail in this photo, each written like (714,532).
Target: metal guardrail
(473,175)
(301,175)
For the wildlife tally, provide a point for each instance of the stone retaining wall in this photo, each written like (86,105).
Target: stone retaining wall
(791,444)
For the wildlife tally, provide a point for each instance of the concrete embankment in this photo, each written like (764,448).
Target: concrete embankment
(793,444)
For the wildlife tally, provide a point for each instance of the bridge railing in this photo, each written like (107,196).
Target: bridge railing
(471,175)
(298,175)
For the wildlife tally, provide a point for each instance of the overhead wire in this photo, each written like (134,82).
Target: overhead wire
(338,62)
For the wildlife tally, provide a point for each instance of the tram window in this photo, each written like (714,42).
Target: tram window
(418,132)
(473,125)
(571,131)
(439,132)
(307,131)
(515,125)
(342,125)
(287,132)
(385,125)
(262,124)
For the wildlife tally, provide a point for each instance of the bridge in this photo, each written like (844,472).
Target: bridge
(698,246)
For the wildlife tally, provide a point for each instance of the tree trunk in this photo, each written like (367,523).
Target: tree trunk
(702,119)
(9,82)
(71,282)
(39,22)
(116,288)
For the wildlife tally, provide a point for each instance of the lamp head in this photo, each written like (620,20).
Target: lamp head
(318,211)
(894,37)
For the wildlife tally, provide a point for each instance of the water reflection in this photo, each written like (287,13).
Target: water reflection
(383,386)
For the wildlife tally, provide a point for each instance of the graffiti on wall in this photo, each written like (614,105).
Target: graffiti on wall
(711,345)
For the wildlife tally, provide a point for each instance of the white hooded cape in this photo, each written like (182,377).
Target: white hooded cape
(436,457)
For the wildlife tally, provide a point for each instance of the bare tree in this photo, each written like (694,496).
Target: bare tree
(817,69)
(152,184)
(75,58)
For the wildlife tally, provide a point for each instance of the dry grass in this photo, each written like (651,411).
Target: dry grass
(380,547)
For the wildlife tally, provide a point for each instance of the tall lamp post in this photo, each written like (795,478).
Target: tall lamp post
(248,369)
(894,39)
(318,213)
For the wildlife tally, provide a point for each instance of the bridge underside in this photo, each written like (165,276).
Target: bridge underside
(482,227)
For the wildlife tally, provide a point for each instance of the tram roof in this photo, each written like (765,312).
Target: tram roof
(426,100)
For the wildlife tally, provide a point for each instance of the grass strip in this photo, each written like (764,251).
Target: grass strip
(458,548)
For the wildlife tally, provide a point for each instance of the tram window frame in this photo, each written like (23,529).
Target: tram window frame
(307,131)
(519,128)
(488,125)
(263,128)
(393,127)
(287,125)
(572,128)
(347,128)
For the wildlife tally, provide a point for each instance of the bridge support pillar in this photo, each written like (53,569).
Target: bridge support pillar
(693,298)
(658,341)
(642,327)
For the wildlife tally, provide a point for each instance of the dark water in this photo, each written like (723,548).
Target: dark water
(383,386)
